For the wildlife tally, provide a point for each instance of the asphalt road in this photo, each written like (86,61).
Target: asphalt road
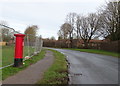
(89,68)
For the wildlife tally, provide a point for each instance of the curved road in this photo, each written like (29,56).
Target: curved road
(89,68)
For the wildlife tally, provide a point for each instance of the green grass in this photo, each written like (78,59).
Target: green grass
(9,71)
(8,54)
(57,73)
(97,52)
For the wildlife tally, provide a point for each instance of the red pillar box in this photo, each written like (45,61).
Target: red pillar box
(18,59)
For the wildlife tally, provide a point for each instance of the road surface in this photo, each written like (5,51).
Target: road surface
(89,68)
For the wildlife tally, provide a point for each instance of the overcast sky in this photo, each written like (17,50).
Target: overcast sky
(49,15)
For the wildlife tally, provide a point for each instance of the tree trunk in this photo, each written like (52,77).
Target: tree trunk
(70,40)
(86,44)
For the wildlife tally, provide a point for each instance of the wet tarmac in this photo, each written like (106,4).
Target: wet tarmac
(89,68)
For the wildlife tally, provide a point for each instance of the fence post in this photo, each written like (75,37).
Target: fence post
(18,58)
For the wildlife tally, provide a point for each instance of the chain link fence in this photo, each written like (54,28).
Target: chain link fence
(32,45)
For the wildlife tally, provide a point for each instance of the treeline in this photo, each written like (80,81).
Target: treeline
(105,23)
(7,32)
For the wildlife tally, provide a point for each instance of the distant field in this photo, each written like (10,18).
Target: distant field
(8,54)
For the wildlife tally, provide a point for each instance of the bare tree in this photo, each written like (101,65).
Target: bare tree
(6,33)
(31,31)
(60,36)
(88,27)
(78,26)
(64,31)
(110,18)
(71,19)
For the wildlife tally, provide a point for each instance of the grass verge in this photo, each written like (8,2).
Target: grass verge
(97,52)
(9,71)
(57,73)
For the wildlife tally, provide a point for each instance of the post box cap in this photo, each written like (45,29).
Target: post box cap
(20,35)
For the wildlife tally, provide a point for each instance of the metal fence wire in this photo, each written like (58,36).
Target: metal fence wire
(32,45)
